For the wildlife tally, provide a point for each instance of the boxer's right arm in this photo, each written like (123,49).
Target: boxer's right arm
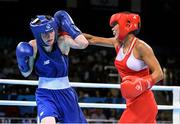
(100,41)
(25,59)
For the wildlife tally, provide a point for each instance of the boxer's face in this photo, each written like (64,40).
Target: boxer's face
(115,30)
(48,38)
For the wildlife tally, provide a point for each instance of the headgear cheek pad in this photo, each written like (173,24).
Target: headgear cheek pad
(41,24)
(128,22)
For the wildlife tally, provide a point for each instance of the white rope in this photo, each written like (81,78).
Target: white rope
(84,105)
(17,103)
(83,84)
(175,89)
(18,82)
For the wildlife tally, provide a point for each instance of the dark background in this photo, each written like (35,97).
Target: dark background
(160,19)
(160,29)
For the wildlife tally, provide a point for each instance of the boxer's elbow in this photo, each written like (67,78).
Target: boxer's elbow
(26,74)
(160,75)
(82,42)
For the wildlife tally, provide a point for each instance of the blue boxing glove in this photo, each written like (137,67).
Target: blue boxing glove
(66,23)
(23,51)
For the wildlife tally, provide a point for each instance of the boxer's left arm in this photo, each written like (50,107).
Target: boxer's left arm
(79,43)
(65,42)
(134,86)
(147,55)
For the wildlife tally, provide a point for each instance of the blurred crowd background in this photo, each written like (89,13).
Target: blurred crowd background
(94,64)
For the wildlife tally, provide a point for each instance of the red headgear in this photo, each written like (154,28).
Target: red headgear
(128,22)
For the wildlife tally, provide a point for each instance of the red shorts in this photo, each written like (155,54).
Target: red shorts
(142,109)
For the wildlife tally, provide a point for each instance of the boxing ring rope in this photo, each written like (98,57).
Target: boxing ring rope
(175,107)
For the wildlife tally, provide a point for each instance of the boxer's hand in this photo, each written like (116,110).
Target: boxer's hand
(23,51)
(66,23)
(133,86)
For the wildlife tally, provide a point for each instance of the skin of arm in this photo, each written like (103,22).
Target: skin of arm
(65,42)
(80,42)
(147,55)
(102,41)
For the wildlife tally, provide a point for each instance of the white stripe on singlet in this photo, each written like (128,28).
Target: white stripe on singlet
(54,83)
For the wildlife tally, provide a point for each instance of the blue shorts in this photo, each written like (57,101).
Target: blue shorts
(61,104)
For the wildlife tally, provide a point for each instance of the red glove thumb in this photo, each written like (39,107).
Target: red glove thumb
(149,80)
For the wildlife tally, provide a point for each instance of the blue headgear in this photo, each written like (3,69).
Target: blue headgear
(41,24)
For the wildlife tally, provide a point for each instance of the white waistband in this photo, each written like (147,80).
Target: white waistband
(54,83)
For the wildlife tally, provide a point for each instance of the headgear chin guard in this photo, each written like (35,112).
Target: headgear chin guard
(43,24)
(128,22)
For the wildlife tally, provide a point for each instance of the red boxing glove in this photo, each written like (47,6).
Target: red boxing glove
(63,33)
(133,86)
